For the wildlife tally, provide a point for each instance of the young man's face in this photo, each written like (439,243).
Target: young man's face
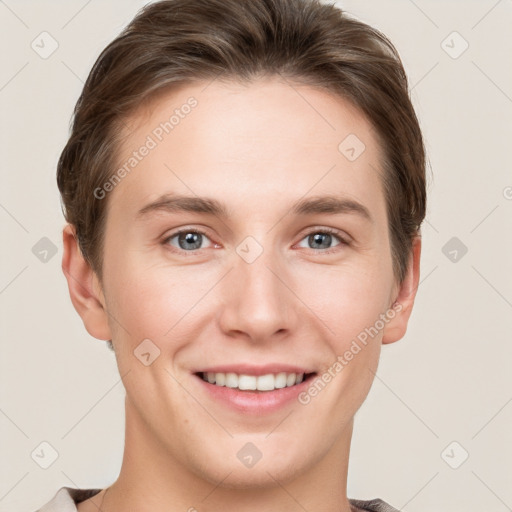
(268,288)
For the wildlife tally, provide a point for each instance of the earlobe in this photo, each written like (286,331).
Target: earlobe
(396,328)
(84,288)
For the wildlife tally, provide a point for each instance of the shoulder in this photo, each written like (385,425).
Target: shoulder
(66,498)
(375,505)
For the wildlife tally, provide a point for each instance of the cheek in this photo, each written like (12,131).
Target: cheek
(157,302)
(348,299)
(348,303)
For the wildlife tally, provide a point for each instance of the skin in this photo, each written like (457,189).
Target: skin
(257,148)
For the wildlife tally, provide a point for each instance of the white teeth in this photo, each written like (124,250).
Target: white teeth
(267,382)
(246,382)
(231,380)
(280,380)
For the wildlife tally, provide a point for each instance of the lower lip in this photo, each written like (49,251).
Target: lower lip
(254,402)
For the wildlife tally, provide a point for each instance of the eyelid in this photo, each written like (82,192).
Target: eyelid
(345,241)
(343,237)
(167,237)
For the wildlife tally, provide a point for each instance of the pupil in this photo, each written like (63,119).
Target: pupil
(318,238)
(191,239)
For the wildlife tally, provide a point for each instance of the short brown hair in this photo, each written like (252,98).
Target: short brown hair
(306,41)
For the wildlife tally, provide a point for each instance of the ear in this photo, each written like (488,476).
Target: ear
(84,287)
(396,328)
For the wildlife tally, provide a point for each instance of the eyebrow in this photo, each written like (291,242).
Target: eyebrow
(176,203)
(330,204)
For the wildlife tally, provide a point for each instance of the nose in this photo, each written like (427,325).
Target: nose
(258,301)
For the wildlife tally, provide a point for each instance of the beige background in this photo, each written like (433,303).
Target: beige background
(448,380)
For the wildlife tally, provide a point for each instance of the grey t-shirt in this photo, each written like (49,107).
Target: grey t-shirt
(66,498)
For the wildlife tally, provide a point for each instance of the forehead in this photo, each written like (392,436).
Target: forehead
(248,142)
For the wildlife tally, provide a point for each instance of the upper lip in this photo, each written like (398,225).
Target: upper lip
(251,369)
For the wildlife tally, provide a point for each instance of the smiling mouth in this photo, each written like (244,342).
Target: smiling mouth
(244,382)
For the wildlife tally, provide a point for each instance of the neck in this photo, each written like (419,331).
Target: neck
(152,479)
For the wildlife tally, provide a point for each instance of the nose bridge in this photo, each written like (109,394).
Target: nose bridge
(258,301)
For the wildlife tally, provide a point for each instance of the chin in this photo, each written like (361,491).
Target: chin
(250,467)
(258,477)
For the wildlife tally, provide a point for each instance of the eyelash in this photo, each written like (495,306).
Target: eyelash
(343,241)
(330,231)
(179,232)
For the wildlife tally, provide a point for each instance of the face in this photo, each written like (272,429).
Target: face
(248,247)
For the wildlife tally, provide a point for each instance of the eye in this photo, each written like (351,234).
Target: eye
(323,239)
(187,240)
